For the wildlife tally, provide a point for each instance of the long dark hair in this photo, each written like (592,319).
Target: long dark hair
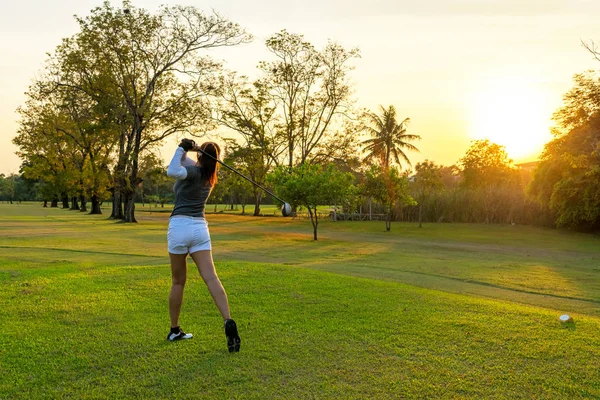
(208,166)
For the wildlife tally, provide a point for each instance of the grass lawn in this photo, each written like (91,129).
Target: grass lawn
(446,311)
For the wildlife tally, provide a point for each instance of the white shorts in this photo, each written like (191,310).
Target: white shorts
(187,235)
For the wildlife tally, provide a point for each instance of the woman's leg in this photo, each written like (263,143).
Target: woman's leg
(178,276)
(206,267)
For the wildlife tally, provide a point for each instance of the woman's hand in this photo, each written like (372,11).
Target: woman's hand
(187,144)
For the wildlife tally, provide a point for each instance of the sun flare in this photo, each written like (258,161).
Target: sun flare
(513,114)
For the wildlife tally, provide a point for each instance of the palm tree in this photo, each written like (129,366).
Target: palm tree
(388,137)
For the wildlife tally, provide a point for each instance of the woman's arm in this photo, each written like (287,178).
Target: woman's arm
(187,162)
(175,169)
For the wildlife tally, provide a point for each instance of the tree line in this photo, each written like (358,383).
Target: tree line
(108,96)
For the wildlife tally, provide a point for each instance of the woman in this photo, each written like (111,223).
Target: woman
(188,234)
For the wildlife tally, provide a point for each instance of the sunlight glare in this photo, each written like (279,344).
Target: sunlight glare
(514,114)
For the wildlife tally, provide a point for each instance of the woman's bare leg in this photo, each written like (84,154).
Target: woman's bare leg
(178,276)
(206,267)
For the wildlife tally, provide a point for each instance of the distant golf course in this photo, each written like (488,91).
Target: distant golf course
(449,311)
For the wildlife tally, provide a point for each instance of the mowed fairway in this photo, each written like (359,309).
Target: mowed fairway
(446,311)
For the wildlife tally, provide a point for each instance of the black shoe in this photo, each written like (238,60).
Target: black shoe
(179,336)
(233,339)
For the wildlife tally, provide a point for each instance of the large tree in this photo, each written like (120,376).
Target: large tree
(567,179)
(47,153)
(150,73)
(69,124)
(311,87)
(297,109)
(389,138)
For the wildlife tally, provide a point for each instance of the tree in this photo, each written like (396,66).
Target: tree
(567,179)
(249,161)
(155,183)
(7,188)
(250,110)
(47,152)
(311,90)
(148,73)
(311,186)
(427,180)
(493,184)
(389,187)
(486,164)
(388,139)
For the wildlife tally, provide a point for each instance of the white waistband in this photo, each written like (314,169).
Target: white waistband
(188,217)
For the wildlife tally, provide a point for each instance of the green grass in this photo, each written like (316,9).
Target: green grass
(446,311)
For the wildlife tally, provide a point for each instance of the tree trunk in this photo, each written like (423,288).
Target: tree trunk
(257,199)
(117,205)
(129,210)
(314,219)
(65,200)
(54,203)
(129,187)
(95,205)
(74,204)
(45,203)
(420,213)
(388,221)
(83,202)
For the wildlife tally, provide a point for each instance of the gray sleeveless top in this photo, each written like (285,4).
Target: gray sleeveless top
(191,193)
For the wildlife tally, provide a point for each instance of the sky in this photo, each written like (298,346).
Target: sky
(461,70)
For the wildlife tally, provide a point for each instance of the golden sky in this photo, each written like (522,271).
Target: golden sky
(460,69)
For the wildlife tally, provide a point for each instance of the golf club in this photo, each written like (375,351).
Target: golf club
(286,208)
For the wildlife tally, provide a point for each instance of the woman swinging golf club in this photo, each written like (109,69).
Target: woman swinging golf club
(188,234)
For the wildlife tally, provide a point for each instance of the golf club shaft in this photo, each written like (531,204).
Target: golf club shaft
(239,173)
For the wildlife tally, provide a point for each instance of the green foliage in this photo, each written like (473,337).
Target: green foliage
(427,181)
(576,199)
(7,188)
(580,104)
(252,162)
(389,138)
(155,181)
(490,182)
(486,164)
(311,186)
(427,178)
(567,180)
(389,187)
(235,189)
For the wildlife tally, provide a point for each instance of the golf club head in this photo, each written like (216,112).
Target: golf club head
(286,209)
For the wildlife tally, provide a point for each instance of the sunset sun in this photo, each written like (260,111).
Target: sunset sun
(512,114)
